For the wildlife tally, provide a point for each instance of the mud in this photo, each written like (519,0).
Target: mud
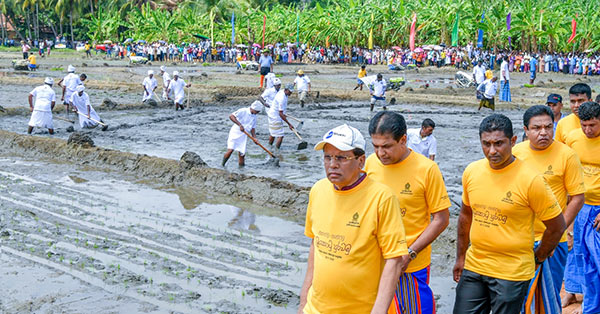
(78,240)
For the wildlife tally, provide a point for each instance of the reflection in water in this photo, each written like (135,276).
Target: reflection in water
(243,219)
(189,198)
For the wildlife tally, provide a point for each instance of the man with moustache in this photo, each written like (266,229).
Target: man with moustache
(578,94)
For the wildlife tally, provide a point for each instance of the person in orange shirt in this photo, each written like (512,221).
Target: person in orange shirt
(582,274)
(418,184)
(502,197)
(578,94)
(358,246)
(562,170)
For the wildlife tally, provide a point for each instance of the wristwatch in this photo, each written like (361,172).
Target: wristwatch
(537,261)
(412,254)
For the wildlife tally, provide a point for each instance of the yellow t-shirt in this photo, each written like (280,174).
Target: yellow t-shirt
(561,169)
(565,126)
(353,232)
(504,204)
(32,59)
(588,150)
(418,184)
(362,73)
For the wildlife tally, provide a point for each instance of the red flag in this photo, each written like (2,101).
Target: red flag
(264,29)
(413,31)
(573,30)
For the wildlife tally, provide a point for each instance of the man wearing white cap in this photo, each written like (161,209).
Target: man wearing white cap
(302,82)
(149,85)
(358,243)
(68,85)
(80,101)
(41,102)
(269,79)
(244,120)
(166,80)
(176,87)
(269,94)
(377,90)
(277,116)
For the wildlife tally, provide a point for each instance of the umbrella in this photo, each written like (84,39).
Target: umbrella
(141,41)
(108,42)
(200,36)
(218,43)
(428,47)
(419,49)
(128,40)
(162,41)
(291,45)
(256,45)
(396,47)
(269,46)
(438,47)
(241,46)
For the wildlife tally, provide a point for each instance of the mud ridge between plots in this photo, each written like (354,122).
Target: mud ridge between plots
(259,190)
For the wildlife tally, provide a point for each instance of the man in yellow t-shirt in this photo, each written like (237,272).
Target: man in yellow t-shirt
(582,274)
(358,243)
(562,171)
(32,62)
(361,73)
(502,196)
(578,94)
(418,184)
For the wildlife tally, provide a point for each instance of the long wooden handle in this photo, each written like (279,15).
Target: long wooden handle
(63,119)
(102,124)
(257,143)
(293,118)
(298,135)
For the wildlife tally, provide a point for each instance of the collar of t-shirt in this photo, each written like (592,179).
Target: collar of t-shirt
(362,177)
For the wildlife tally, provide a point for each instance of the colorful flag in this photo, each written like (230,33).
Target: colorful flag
(573,31)
(480,33)
(298,27)
(264,29)
(371,32)
(413,31)
(455,31)
(232,28)
(508,20)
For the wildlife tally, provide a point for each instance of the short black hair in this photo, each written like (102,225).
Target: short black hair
(598,98)
(379,75)
(581,88)
(82,75)
(428,123)
(363,66)
(358,152)
(589,110)
(388,122)
(496,122)
(537,110)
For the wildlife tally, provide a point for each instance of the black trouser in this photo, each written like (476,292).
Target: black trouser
(265,70)
(25,55)
(478,294)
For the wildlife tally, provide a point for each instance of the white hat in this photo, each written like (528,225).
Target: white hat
(79,88)
(48,80)
(344,138)
(290,87)
(162,68)
(70,68)
(276,81)
(175,73)
(150,72)
(257,105)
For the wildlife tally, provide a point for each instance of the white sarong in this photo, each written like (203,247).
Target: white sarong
(86,123)
(237,140)
(276,127)
(41,119)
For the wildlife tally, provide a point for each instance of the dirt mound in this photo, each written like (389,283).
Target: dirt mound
(219,97)
(107,102)
(70,129)
(151,102)
(80,138)
(190,160)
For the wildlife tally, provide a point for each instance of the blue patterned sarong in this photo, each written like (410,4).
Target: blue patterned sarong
(547,283)
(505,91)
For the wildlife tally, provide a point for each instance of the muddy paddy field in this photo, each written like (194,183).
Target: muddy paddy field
(127,227)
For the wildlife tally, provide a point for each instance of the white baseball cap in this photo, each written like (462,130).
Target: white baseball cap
(257,105)
(343,137)
(175,73)
(79,88)
(70,68)
(162,68)
(48,80)
(150,72)
(276,81)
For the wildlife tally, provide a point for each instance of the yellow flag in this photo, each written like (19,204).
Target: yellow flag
(371,32)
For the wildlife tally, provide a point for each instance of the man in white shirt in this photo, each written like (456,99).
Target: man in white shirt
(302,82)
(488,91)
(377,90)
(504,80)
(244,120)
(479,72)
(80,101)
(422,140)
(149,85)
(266,98)
(176,86)
(269,78)
(41,102)
(277,116)
(166,80)
(68,84)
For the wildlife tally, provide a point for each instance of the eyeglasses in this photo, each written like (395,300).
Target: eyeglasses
(339,159)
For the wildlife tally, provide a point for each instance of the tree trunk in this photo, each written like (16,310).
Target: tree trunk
(2,26)
(37,21)
(92,7)
(28,25)
(71,24)
(53,28)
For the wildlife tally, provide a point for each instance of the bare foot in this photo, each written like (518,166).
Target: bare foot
(577,310)
(568,299)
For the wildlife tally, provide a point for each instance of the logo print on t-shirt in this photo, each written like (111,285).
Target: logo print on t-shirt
(354,222)
(549,171)
(508,199)
(406,189)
